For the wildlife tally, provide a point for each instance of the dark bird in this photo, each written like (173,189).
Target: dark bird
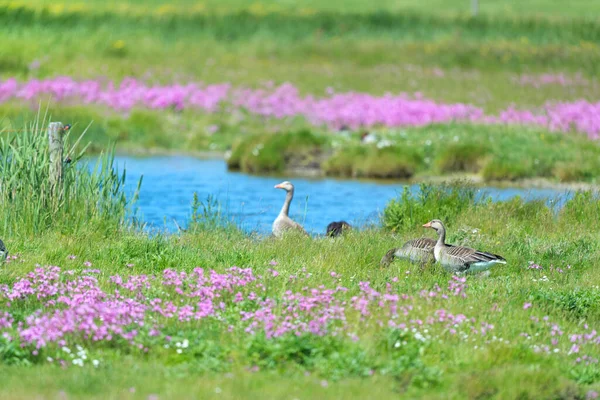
(337,228)
(3,252)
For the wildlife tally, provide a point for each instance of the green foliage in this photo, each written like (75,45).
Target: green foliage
(208,216)
(578,303)
(84,196)
(445,202)
(372,162)
(12,354)
(463,157)
(582,208)
(508,169)
(275,152)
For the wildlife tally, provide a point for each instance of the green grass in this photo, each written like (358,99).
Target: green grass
(274,153)
(550,8)
(376,48)
(84,194)
(467,365)
(452,367)
(489,153)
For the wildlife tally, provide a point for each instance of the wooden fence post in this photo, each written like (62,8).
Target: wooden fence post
(56,141)
(474,7)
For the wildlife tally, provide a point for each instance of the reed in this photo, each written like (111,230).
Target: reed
(85,195)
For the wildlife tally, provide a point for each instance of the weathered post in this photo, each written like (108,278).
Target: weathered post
(56,141)
(474,7)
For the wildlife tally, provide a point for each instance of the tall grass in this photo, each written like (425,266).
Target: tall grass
(244,24)
(86,195)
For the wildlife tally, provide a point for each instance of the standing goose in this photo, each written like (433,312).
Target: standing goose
(417,251)
(3,252)
(283,222)
(337,228)
(459,259)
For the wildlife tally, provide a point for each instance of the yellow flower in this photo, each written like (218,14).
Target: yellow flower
(306,11)
(13,5)
(257,9)
(56,8)
(166,9)
(118,44)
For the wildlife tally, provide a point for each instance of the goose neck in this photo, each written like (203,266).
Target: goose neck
(286,204)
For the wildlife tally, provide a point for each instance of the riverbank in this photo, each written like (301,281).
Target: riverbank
(483,153)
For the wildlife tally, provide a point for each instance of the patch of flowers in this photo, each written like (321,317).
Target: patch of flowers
(335,110)
(68,309)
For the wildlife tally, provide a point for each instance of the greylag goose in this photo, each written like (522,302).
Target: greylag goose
(416,251)
(337,228)
(283,222)
(459,259)
(3,252)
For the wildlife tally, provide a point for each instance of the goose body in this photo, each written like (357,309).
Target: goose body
(416,251)
(3,252)
(337,228)
(460,259)
(283,222)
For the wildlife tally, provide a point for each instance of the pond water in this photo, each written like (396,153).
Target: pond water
(251,201)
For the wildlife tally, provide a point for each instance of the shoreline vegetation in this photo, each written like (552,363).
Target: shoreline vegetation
(87,297)
(483,153)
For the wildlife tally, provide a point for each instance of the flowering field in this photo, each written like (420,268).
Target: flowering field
(320,309)
(334,110)
(91,305)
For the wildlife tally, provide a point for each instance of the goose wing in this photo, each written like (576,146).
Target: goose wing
(420,249)
(465,258)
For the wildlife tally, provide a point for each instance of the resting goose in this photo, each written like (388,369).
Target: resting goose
(283,222)
(337,228)
(416,251)
(459,259)
(3,252)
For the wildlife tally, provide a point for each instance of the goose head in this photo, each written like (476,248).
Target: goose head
(435,224)
(287,186)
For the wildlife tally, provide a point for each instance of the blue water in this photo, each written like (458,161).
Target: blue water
(251,201)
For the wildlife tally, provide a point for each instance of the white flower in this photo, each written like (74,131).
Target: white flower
(66,350)
(95,363)
(185,343)
(179,351)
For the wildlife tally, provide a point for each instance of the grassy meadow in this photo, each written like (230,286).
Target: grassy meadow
(492,61)
(92,306)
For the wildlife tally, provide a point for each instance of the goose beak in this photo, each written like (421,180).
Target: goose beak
(277,187)
(427,225)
